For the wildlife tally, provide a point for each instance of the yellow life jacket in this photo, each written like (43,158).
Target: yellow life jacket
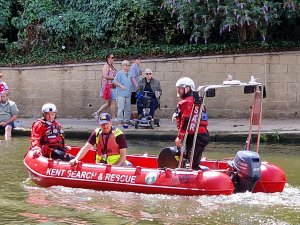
(108,150)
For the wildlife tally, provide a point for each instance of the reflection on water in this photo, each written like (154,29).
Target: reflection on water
(24,202)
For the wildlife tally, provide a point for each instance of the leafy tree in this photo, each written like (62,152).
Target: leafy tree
(84,28)
(5,14)
(70,23)
(142,22)
(245,18)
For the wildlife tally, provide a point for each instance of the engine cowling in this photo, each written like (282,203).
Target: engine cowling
(247,170)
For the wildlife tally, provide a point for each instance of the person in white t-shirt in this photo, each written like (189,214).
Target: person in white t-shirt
(8,114)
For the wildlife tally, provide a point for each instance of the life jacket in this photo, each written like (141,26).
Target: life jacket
(108,150)
(187,103)
(54,136)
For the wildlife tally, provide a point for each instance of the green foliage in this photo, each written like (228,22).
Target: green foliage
(43,56)
(264,138)
(276,136)
(65,23)
(78,30)
(243,18)
(80,24)
(35,11)
(5,14)
(132,25)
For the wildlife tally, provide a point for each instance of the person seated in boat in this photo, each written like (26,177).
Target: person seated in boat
(153,87)
(47,136)
(111,145)
(185,87)
(8,114)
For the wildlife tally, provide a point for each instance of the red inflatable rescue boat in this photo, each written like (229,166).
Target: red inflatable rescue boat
(164,175)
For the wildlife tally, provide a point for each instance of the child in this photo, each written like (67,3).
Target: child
(3,85)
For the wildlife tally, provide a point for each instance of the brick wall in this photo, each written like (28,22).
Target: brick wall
(75,88)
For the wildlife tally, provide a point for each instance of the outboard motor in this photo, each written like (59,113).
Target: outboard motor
(247,172)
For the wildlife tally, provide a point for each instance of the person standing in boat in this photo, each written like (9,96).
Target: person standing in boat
(8,114)
(111,145)
(185,87)
(47,136)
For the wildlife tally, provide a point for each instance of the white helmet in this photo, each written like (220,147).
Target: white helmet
(185,81)
(49,107)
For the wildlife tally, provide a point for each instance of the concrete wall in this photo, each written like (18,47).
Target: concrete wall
(75,88)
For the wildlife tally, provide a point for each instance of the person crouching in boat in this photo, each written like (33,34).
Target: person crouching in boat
(111,145)
(47,136)
(185,87)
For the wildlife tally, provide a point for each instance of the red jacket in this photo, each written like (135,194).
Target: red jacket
(47,133)
(184,110)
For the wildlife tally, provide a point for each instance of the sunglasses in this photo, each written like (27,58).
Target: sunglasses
(112,57)
(148,73)
(127,65)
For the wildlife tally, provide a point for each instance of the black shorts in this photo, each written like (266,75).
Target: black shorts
(11,124)
(133,98)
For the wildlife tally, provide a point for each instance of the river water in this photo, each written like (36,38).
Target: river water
(22,202)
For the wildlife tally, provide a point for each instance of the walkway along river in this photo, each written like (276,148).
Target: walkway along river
(221,129)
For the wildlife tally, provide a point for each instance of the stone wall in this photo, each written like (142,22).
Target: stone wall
(75,88)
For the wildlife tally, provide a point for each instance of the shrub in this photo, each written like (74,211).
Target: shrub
(245,19)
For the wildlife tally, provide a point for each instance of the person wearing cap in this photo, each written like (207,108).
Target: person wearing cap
(47,136)
(185,87)
(110,142)
(8,114)
(152,85)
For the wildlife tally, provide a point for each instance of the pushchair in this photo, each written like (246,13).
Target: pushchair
(145,119)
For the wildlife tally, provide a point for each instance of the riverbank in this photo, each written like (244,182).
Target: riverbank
(221,130)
